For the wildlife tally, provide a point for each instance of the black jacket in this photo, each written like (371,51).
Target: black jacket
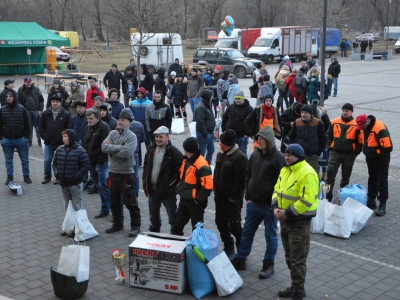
(125,82)
(70,164)
(159,83)
(50,130)
(334,68)
(175,67)
(61,91)
(14,121)
(287,117)
(169,172)
(234,117)
(36,94)
(94,137)
(148,80)
(179,93)
(310,135)
(229,175)
(204,118)
(113,80)
(78,124)
(3,96)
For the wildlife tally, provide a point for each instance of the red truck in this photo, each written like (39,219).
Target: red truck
(241,39)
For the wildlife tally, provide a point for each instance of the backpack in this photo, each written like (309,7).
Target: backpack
(280,82)
(300,84)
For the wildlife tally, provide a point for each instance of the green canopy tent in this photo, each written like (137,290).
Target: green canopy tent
(15,40)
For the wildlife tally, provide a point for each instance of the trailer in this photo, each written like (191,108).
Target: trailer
(276,42)
(393,34)
(241,39)
(333,38)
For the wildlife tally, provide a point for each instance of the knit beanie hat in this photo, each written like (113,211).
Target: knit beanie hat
(191,145)
(348,106)
(239,94)
(306,108)
(98,98)
(296,150)
(228,138)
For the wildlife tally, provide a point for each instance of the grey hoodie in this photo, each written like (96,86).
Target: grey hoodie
(121,152)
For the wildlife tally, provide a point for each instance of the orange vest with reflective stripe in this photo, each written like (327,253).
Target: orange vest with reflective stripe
(378,140)
(265,122)
(344,135)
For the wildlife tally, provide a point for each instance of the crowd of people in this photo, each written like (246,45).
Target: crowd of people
(96,141)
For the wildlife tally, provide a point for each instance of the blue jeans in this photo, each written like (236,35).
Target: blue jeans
(334,83)
(255,214)
(99,173)
(136,169)
(206,144)
(282,96)
(193,103)
(33,114)
(48,158)
(22,147)
(242,143)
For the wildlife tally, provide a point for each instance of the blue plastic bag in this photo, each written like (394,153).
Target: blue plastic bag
(353,191)
(200,278)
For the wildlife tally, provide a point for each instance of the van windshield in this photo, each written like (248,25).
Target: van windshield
(235,54)
(223,44)
(263,42)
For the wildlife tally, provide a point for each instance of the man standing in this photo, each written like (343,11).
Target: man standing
(342,141)
(8,85)
(175,67)
(377,147)
(120,146)
(160,178)
(294,203)
(14,134)
(93,92)
(79,122)
(205,124)
(334,71)
(234,117)
(115,103)
(146,81)
(223,88)
(195,88)
(30,97)
(262,173)
(129,76)
(96,132)
(266,89)
(113,78)
(309,133)
(229,182)
(304,67)
(106,115)
(195,186)
(53,121)
(158,114)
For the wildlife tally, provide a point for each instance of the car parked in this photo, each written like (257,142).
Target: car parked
(61,56)
(367,36)
(227,58)
(397,46)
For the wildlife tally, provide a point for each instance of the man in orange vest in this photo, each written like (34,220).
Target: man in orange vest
(195,186)
(342,141)
(377,146)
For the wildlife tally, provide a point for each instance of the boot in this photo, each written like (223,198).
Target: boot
(239,263)
(288,293)
(371,204)
(381,211)
(297,294)
(267,269)
(27,179)
(46,179)
(9,179)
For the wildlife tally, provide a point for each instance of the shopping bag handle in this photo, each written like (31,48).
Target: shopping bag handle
(73,242)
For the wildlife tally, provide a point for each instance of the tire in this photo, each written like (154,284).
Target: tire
(270,59)
(240,72)
(297,58)
(328,54)
(144,51)
(151,69)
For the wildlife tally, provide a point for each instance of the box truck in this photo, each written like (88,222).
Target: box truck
(158,50)
(276,42)
(238,39)
(394,33)
(211,35)
(333,37)
(72,36)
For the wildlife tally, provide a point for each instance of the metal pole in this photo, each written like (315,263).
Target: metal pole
(387,34)
(323,44)
(247,26)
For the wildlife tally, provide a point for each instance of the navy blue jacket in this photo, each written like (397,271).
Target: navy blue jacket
(78,124)
(14,121)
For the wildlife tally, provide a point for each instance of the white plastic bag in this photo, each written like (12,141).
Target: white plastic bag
(75,261)
(192,128)
(69,219)
(339,222)
(226,277)
(361,214)
(178,126)
(318,222)
(84,230)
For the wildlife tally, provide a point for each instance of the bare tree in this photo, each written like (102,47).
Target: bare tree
(212,9)
(97,22)
(266,11)
(63,4)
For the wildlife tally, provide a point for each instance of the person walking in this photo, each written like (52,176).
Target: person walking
(294,204)
(334,71)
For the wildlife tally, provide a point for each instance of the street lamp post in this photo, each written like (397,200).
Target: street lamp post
(322,53)
(387,22)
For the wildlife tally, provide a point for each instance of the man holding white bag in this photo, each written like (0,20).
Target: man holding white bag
(70,164)
(295,202)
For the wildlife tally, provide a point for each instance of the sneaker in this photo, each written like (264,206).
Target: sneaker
(9,179)
(267,269)
(46,179)
(371,204)
(27,179)
(134,232)
(381,211)
(288,293)
(239,263)
(114,228)
(334,95)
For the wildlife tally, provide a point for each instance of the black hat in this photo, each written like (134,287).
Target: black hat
(80,103)
(296,150)
(193,70)
(267,77)
(93,78)
(56,97)
(228,138)
(263,97)
(191,145)
(348,106)
(114,65)
(113,90)
(258,65)
(10,92)
(8,81)
(306,108)
(298,107)
(206,95)
(126,115)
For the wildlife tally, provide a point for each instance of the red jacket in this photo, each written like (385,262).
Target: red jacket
(91,94)
(290,84)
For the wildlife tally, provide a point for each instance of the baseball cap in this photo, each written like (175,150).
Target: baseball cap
(218,67)
(8,81)
(361,119)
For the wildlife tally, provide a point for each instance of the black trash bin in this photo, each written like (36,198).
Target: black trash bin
(66,287)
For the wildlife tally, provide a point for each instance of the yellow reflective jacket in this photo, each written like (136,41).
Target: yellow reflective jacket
(296,191)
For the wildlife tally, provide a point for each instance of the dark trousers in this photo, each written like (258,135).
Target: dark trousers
(336,159)
(378,172)
(227,219)
(169,203)
(188,210)
(296,243)
(123,192)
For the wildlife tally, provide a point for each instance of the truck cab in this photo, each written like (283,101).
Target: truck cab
(267,46)
(234,41)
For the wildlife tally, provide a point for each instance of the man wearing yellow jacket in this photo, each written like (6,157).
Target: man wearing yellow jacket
(294,203)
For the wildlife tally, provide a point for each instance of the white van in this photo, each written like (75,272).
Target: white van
(158,50)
